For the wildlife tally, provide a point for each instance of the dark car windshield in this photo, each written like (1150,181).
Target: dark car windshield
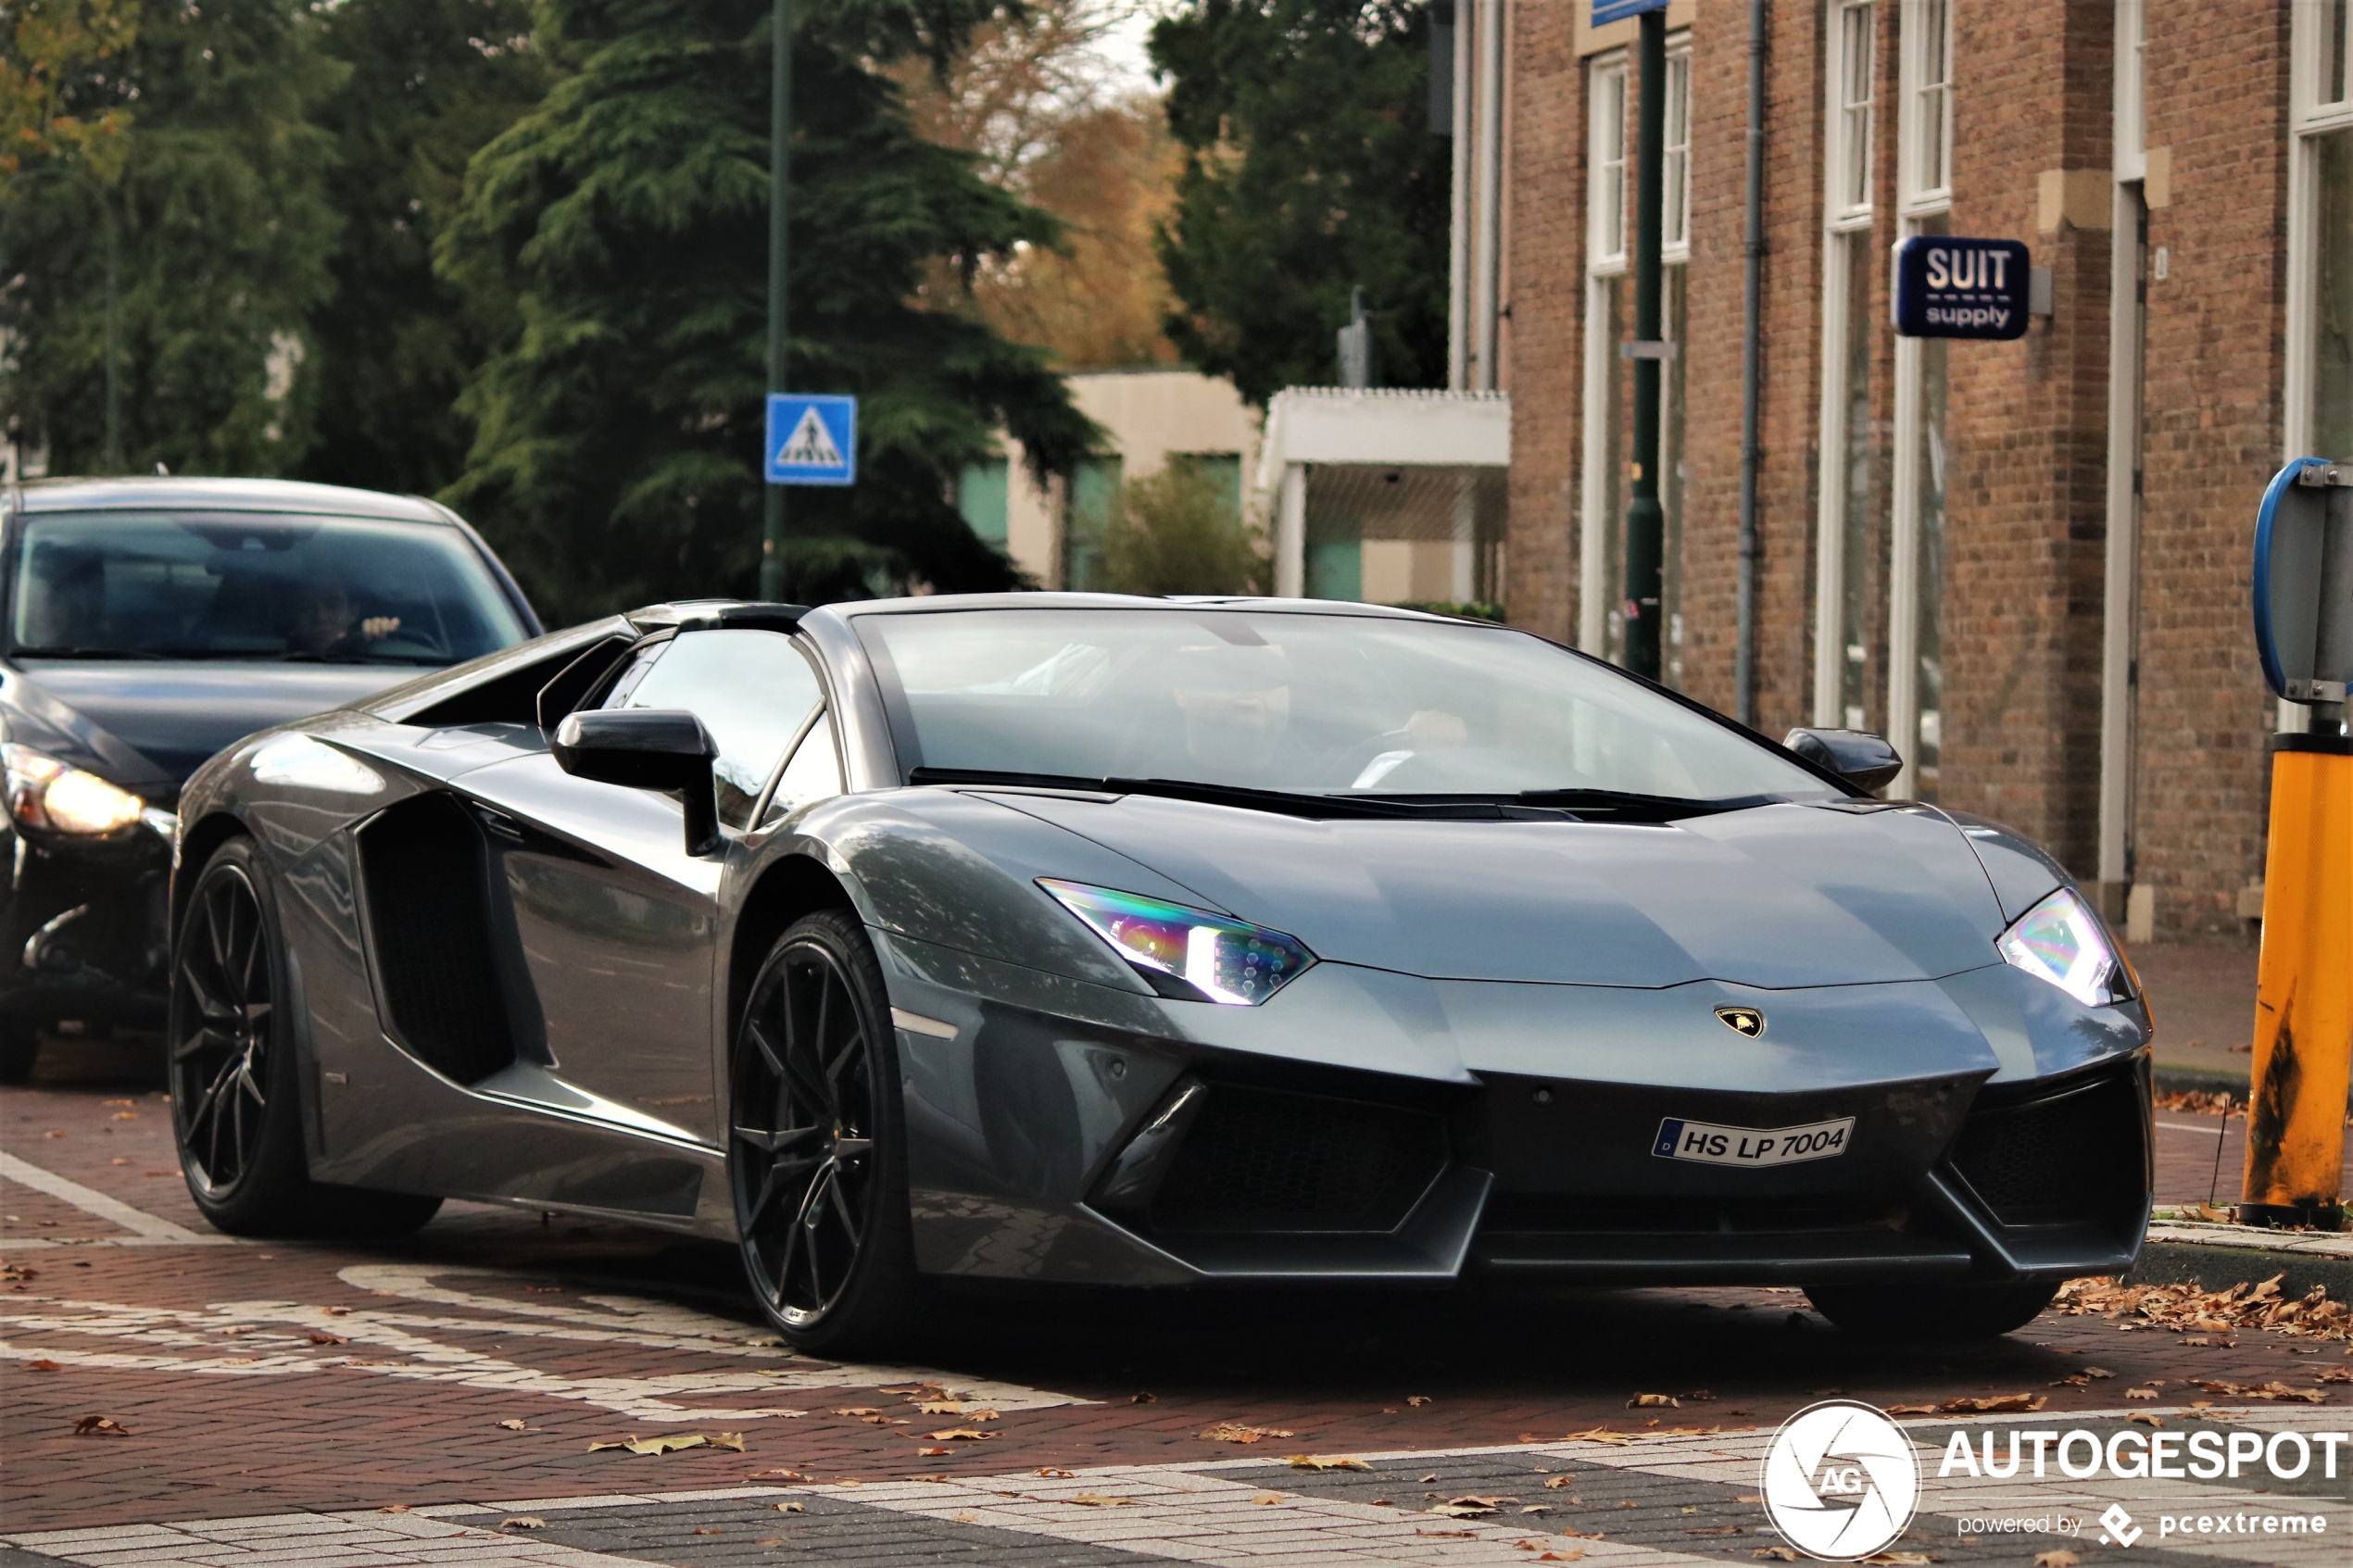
(252,585)
(1372,705)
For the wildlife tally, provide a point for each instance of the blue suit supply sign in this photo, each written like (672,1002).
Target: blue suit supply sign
(1946,286)
(812,439)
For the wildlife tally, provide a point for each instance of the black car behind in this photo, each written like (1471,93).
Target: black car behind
(149,622)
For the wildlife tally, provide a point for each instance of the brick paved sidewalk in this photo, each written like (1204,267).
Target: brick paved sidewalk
(291,1384)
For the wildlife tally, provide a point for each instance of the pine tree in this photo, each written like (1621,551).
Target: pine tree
(1310,169)
(431,83)
(220,230)
(619,425)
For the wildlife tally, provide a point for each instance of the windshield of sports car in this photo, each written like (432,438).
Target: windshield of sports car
(1327,704)
(266,586)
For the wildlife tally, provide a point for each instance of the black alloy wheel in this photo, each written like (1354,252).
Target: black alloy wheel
(224,989)
(814,1151)
(232,1070)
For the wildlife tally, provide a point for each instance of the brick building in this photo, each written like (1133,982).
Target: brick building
(2025,562)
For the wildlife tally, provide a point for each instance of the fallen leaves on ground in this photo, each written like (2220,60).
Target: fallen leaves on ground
(2272,1390)
(1901,1559)
(394,1508)
(329,1339)
(101,1426)
(2097,1372)
(2146,1418)
(2140,1393)
(1143,1398)
(932,1452)
(1995,1404)
(709,1529)
(523,1522)
(1468,1507)
(777,1477)
(1268,1499)
(2337,1375)
(1557,1482)
(1600,1435)
(2186,1308)
(44,1364)
(1649,1401)
(1097,1499)
(1051,1473)
(1777,1553)
(1911,1410)
(2059,1557)
(1417,1399)
(671,1443)
(1237,1431)
(962,1435)
(1717,1530)
(861,1409)
(1324,1461)
(1563,1554)
(514,1425)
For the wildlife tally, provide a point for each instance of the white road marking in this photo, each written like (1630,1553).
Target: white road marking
(276,1343)
(146,1227)
(357,1540)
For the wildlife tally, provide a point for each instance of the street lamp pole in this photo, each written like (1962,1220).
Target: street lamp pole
(1645,520)
(772,534)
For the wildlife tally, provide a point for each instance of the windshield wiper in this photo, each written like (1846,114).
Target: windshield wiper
(1282,802)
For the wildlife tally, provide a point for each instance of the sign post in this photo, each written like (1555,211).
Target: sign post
(2303,981)
(772,531)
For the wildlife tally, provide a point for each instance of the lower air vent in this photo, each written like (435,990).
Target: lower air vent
(2066,1158)
(1256,1160)
(423,862)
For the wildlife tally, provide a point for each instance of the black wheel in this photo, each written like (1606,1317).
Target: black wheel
(1932,1312)
(815,1153)
(234,1106)
(20,1049)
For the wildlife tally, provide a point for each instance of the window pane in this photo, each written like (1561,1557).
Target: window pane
(1935,156)
(2337,51)
(255,586)
(814,773)
(1854,547)
(983,495)
(1670,481)
(1609,164)
(2332,298)
(1094,490)
(1858,44)
(1612,297)
(1313,703)
(1675,211)
(750,689)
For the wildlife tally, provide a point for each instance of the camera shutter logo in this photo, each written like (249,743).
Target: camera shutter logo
(1841,1481)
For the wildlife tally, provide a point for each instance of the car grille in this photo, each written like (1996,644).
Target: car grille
(2065,1158)
(1564,1214)
(1257,1160)
(427,884)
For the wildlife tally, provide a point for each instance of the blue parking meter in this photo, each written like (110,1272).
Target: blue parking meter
(2304,581)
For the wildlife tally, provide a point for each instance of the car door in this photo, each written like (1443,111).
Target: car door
(615,923)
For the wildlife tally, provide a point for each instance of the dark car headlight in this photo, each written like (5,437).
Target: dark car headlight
(2060,941)
(59,797)
(1225,959)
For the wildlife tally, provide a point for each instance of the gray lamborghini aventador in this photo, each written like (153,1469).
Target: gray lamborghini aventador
(1146,943)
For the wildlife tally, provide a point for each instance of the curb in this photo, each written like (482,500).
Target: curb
(2217,1264)
(2202,1080)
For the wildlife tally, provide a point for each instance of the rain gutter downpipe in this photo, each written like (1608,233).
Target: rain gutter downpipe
(1752,374)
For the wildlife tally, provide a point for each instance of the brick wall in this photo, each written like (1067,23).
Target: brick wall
(2022,606)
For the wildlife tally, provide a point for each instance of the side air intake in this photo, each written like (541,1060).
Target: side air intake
(427,880)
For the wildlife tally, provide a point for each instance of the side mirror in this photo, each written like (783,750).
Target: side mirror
(1865,760)
(664,748)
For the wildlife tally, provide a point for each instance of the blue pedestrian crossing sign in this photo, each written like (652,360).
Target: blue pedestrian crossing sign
(812,439)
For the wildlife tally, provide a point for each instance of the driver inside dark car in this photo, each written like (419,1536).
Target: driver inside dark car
(323,622)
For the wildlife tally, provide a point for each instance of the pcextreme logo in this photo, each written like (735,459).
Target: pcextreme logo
(1841,1481)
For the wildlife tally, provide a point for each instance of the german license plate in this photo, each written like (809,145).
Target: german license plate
(1712,1145)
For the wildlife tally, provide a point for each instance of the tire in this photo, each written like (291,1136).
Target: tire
(1929,1312)
(235,1111)
(816,1147)
(20,1049)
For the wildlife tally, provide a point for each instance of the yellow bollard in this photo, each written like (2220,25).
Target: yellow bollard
(2304,990)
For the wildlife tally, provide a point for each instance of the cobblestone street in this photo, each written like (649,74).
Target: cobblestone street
(412,1404)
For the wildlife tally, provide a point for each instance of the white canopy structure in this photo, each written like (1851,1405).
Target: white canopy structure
(1422,471)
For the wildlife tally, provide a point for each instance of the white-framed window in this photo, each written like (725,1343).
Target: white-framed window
(1674,163)
(1925,127)
(2127,360)
(1915,512)
(1610,194)
(1604,486)
(2132,76)
(2318,409)
(1849,333)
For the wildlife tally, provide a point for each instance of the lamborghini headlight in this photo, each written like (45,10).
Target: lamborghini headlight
(1223,959)
(45,793)
(2060,940)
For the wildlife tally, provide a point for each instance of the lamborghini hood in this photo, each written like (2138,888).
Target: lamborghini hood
(1780,897)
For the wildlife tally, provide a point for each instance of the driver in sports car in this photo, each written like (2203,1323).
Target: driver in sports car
(1236,707)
